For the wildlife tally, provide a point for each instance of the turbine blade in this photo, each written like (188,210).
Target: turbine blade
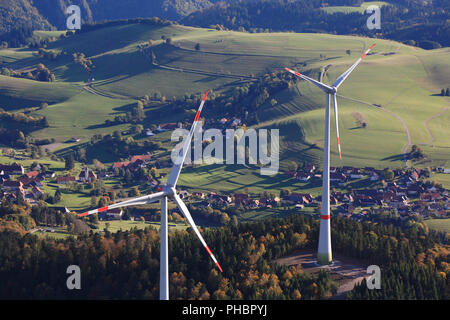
(188,216)
(337,124)
(318,84)
(175,173)
(132,202)
(344,76)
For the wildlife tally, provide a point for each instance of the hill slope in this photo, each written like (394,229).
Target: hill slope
(52,13)
(403,80)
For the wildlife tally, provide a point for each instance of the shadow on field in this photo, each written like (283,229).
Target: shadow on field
(397,157)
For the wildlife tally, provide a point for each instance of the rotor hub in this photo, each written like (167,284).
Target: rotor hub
(169,191)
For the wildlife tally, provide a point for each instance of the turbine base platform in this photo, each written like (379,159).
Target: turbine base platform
(324,258)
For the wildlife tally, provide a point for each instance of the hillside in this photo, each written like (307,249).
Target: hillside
(52,13)
(17,12)
(417,22)
(412,111)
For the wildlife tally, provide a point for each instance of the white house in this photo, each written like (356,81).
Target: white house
(303,176)
(114,214)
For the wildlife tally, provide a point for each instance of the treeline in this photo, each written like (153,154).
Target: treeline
(40,73)
(125,265)
(103,146)
(21,121)
(241,101)
(21,217)
(18,36)
(95,11)
(155,21)
(18,19)
(420,23)
(14,128)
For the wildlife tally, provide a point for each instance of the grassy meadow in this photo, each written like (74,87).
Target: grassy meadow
(403,80)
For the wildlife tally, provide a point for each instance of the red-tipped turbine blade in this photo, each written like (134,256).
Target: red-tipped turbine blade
(188,217)
(344,76)
(318,84)
(93,211)
(339,148)
(337,124)
(135,201)
(176,169)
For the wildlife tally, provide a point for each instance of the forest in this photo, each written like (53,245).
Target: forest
(125,264)
(419,23)
(415,22)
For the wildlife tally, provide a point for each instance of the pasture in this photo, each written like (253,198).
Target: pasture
(403,80)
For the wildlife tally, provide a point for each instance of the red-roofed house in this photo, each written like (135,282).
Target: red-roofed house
(144,158)
(430,196)
(26,181)
(32,174)
(119,165)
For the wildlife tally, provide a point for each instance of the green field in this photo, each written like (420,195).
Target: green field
(442,225)
(404,80)
(116,225)
(442,178)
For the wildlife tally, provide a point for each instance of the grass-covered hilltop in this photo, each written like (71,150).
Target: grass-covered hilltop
(393,102)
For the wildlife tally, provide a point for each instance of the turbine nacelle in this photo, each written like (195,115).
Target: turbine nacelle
(332,90)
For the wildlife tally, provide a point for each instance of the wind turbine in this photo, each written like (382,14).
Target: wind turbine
(168,191)
(324,255)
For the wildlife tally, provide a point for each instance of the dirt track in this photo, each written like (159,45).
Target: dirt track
(346,271)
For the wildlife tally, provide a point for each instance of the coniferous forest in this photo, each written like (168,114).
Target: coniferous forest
(125,265)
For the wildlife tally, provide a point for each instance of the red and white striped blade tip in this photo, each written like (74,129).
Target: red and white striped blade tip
(339,147)
(93,211)
(365,53)
(292,71)
(214,258)
(206,94)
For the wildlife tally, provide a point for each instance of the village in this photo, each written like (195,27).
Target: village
(404,192)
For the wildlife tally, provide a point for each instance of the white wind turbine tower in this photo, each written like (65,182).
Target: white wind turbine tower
(168,191)
(324,255)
